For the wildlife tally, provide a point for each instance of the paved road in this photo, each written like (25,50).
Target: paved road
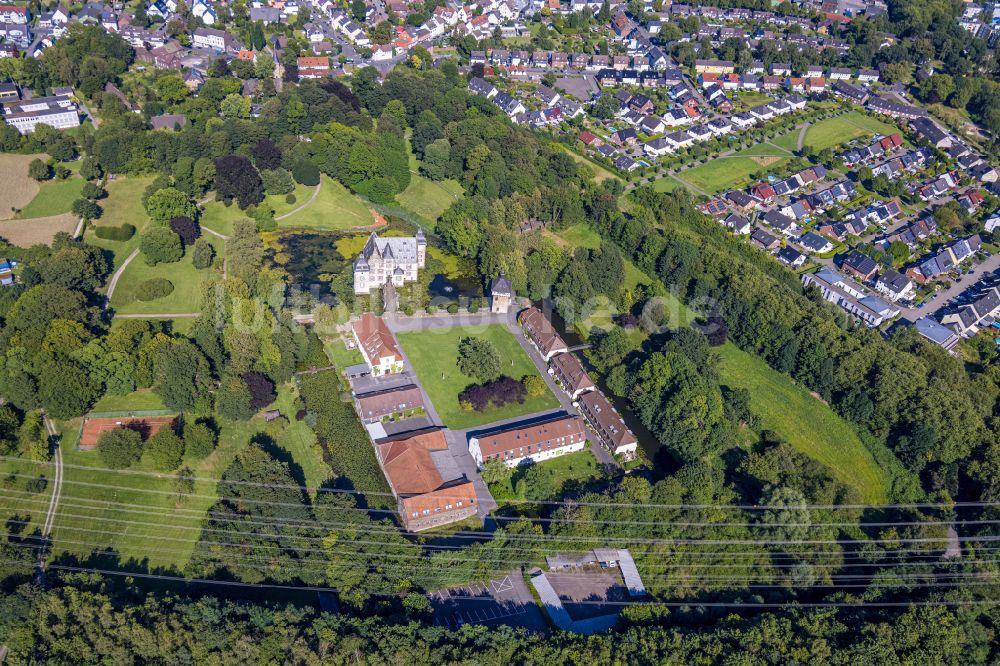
(308,201)
(113,282)
(940,299)
(50,515)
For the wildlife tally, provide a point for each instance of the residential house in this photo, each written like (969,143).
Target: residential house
(313,67)
(860,265)
(569,372)
(815,243)
(780,222)
(608,424)
(541,333)
(764,240)
(850,296)
(737,224)
(937,333)
(969,318)
(895,285)
(791,256)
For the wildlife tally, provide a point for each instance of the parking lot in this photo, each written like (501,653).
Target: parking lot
(504,600)
(585,591)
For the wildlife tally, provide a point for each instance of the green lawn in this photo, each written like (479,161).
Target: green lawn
(726,172)
(139,514)
(300,441)
(141,400)
(788,141)
(581,235)
(433,355)
(339,354)
(835,131)
(186,296)
(580,466)
(668,184)
(123,204)
(333,208)
(428,198)
(600,173)
(804,422)
(16,499)
(54,197)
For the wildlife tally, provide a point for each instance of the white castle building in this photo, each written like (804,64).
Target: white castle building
(389,261)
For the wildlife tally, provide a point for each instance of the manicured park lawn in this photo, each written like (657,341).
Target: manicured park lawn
(835,131)
(433,355)
(54,197)
(804,422)
(428,198)
(333,208)
(580,466)
(186,296)
(789,142)
(123,204)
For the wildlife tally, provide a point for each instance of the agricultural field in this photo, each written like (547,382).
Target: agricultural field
(25,233)
(17,189)
(186,279)
(433,354)
(54,197)
(804,422)
(428,198)
(835,131)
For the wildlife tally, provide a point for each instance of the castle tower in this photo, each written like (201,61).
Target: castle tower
(421,248)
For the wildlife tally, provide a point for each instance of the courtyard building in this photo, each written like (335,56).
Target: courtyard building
(535,442)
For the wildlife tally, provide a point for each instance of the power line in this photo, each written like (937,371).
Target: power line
(743,507)
(475,534)
(671,604)
(389,531)
(427,557)
(845,581)
(748,525)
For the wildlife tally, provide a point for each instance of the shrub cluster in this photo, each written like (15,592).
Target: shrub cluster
(155,288)
(120,233)
(496,393)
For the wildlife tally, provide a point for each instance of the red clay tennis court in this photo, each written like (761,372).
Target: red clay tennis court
(147,426)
